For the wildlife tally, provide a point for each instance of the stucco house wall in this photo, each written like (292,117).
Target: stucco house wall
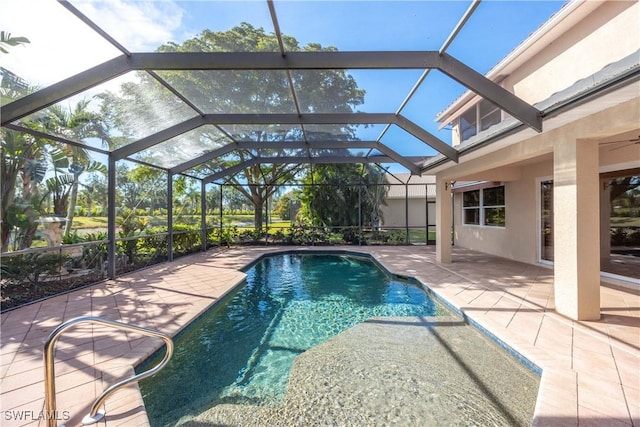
(589,45)
(561,53)
(580,69)
(517,240)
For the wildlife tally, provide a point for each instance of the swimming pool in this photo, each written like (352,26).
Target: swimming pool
(237,358)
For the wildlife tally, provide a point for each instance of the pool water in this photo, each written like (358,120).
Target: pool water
(242,350)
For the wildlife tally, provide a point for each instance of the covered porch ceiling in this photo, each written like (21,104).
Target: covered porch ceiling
(194,134)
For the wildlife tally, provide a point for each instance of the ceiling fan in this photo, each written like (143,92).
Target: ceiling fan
(628,142)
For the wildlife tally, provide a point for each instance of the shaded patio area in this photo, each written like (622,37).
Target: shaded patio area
(590,369)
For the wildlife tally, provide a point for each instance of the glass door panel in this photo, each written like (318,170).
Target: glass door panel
(546,220)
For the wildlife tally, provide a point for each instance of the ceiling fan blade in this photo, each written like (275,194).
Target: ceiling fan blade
(633,142)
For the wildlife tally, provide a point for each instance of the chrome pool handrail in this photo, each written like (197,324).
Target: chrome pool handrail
(94,414)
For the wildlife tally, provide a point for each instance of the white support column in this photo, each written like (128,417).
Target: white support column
(443,221)
(576,204)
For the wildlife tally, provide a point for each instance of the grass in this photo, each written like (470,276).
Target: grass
(89,221)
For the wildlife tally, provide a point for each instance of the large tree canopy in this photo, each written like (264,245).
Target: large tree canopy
(344,194)
(242,91)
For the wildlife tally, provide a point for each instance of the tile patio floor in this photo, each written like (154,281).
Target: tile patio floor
(591,370)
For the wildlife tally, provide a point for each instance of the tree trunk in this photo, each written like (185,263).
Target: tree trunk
(73,199)
(258,203)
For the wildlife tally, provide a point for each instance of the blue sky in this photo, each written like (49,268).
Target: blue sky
(495,28)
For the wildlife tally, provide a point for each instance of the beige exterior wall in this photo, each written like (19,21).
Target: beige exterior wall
(589,46)
(606,35)
(517,240)
(519,167)
(573,150)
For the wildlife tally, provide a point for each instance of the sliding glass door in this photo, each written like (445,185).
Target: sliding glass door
(546,221)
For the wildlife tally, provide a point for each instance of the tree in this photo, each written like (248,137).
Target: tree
(22,158)
(247,91)
(7,40)
(77,124)
(141,187)
(335,195)
(285,205)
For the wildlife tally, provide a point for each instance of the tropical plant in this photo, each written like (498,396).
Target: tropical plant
(76,124)
(29,268)
(22,158)
(7,40)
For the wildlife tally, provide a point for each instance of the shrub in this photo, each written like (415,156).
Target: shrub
(227,235)
(186,238)
(29,268)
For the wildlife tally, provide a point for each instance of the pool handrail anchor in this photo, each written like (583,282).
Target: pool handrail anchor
(95,414)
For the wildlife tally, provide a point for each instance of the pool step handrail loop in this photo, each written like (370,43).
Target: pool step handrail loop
(95,414)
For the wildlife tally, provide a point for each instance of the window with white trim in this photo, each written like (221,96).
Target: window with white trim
(480,117)
(485,207)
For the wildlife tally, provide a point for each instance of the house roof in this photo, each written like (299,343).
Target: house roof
(417,187)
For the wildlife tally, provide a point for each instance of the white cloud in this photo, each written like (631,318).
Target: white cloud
(62,45)
(139,26)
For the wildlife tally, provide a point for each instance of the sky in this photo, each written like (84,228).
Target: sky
(61,45)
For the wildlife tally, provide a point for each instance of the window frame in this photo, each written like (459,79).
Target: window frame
(482,208)
(485,114)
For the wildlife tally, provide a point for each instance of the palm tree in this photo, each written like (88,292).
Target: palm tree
(24,157)
(6,40)
(76,125)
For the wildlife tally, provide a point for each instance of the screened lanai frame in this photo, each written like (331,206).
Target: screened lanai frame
(313,130)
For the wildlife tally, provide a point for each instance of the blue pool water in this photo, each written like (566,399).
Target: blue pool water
(242,350)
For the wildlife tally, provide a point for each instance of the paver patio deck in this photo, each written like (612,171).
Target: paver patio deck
(591,370)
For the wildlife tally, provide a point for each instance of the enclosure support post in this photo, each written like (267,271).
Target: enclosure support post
(111,218)
(406,213)
(426,214)
(266,217)
(170,216)
(203,215)
(360,214)
(221,189)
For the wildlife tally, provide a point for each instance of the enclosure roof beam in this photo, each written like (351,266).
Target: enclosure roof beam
(230,171)
(206,157)
(293,160)
(157,138)
(39,134)
(274,61)
(491,91)
(415,169)
(426,137)
(71,86)
(291,61)
(285,119)
(229,119)
(254,145)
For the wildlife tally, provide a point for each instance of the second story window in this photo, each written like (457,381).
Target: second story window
(480,117)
